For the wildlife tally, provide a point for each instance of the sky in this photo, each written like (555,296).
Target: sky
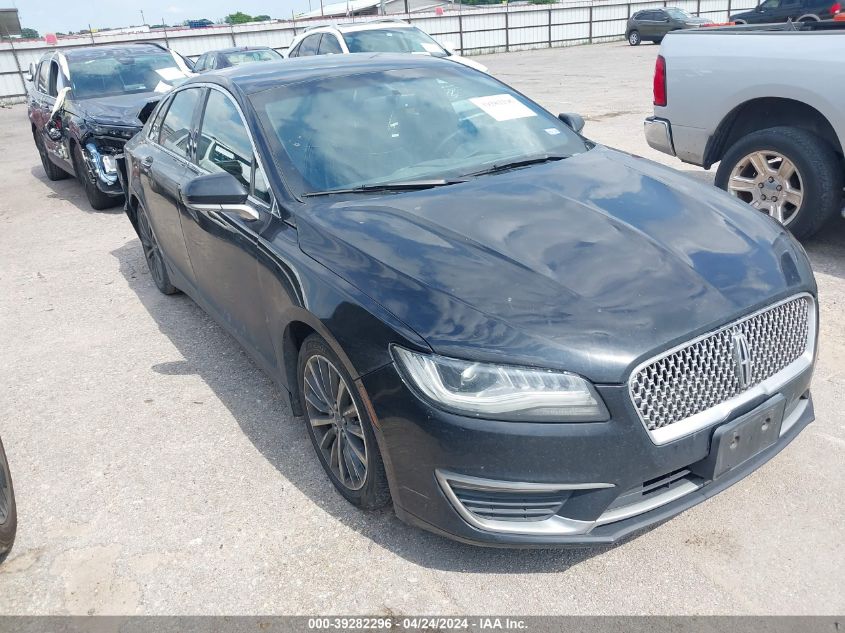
(50,16)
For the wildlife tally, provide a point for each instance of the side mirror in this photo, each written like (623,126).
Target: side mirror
(450,47)
(574,121)
(218,192)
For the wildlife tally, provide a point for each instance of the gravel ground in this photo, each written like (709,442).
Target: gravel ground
(158,471)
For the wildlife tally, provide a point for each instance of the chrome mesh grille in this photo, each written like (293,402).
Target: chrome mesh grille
(704,373)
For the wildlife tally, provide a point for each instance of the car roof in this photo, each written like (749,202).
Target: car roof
(240,49)
(373,25)
(252,78)
(89,52)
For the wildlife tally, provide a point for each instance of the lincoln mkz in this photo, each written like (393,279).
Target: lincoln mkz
(516,335)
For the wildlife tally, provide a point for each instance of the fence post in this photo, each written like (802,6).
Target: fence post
(461,32)
(164,26)
(698,8)
(507,31)
(17,64)
(590,34)
(729,9)
(232,33)
(550,27)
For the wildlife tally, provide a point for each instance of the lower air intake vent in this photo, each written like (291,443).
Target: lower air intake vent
(500,505)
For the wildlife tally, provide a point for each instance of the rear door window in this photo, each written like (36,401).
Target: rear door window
(310,45)
(329,45)
(176,125)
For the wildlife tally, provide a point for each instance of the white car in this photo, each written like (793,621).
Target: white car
(379,36)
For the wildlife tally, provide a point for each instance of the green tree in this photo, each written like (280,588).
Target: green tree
(30,34)
(238,18)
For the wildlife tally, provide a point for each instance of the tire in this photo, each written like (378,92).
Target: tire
(819,177)
(349,421)
(634,38)
(153,254)
(53,171)
(740,21)
(96,198)
(8,509)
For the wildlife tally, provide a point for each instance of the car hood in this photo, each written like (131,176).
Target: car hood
(590,264)
(117,110)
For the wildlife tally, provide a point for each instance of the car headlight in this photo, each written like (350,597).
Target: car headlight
(501,392)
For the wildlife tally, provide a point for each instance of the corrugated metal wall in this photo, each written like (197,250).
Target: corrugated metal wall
(470,30)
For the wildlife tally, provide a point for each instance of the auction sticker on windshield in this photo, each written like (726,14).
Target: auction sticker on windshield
(503,107)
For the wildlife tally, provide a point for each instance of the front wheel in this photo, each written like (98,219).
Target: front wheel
(8,509)
(96,198)
(340,427)
(634,38)
(785,172)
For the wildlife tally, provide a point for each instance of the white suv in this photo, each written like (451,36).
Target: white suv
(379,36)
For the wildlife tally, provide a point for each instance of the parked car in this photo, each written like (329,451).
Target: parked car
(518,335)
(228,57)
(8,509)
(778,132)
(84,105)
(771,11)
(377,36)
(651,25)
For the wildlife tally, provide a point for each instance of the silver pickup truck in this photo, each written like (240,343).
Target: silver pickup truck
(768,104)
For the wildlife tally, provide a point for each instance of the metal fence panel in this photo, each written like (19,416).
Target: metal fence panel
(472,30)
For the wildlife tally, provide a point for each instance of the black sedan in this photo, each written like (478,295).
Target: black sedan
(8,511)
(235,56)
(517,335)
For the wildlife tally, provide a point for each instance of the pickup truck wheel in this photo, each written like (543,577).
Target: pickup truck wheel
(786,172)
(634,38)
(8,510)
(96,198)
(53,171)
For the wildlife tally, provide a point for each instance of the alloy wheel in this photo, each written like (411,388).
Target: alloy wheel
(152,252)
(769,182)
(335,422)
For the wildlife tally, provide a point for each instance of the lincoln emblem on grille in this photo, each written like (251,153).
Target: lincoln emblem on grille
(742,358)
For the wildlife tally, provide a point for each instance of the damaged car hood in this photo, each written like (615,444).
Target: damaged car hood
(119,110)
(589,264)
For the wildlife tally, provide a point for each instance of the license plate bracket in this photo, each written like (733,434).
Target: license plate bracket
(738,441)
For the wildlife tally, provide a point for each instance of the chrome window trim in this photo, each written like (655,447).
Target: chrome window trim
(269,207)
(722,411)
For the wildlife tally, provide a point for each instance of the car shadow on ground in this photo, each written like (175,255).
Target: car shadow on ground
(69,190)
(262,412)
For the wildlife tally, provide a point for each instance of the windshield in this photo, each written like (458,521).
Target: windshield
(402,40)
(399,125)
(247,57)
(678,14)
(108,73)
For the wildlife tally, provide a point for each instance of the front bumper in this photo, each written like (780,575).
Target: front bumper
(658,134)
(610,477)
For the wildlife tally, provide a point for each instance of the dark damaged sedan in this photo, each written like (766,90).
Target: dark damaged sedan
(516,335)
(84,105)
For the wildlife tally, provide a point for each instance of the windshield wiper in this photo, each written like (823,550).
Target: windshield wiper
(545,158)
(400,185)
